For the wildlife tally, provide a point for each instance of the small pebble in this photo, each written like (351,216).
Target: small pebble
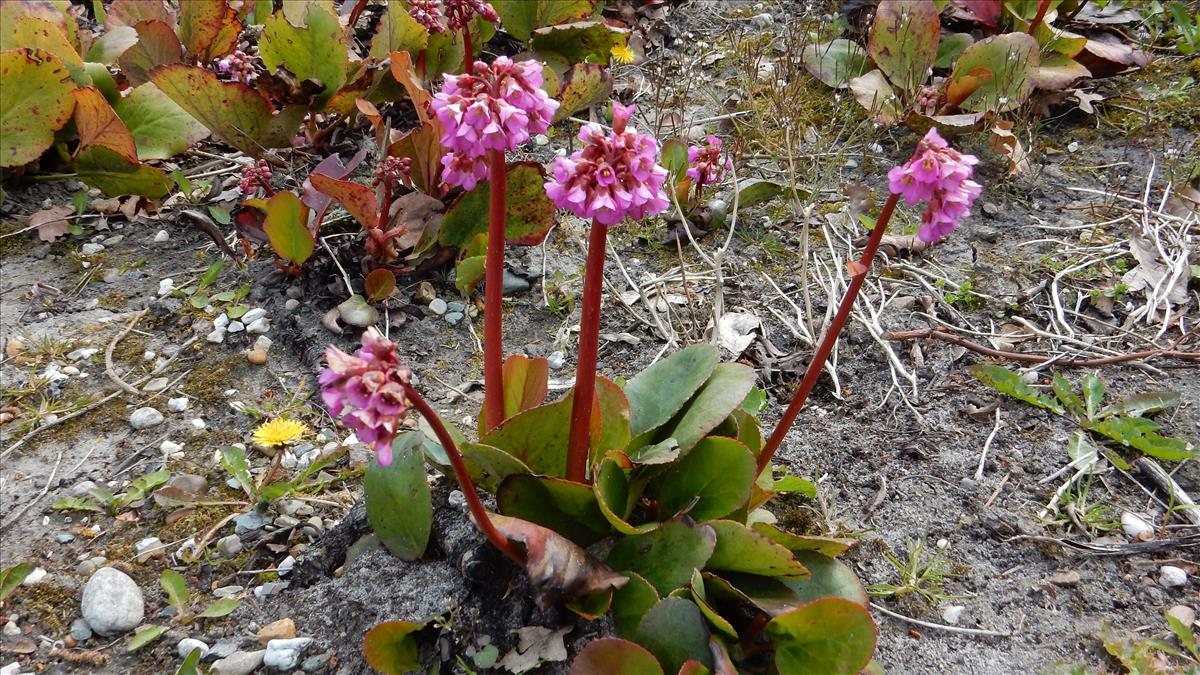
(236,327)
(217,336)
(198,424)
(270,588)
(85,568)
(291,305)
(283,629)
(149,355)
(228,591)
(11,629)
(285,654)
(1170,576)
(91,249)
(556,360)
(257,356)
(178,404)
(295,292)
(952,614)
(457,499)
(437,306)
(35,577)
(80,630)
(514,285)
(1065,578)
(1136,527)
(112,602)
(110,276)
(1184,614)
(229,545)
(424,294)
(222,321)
(248,522)
(156,384)
(239,663)
(64,538)
(166,286)
(263,342)
(169,447)
(144,418)
(81,354)
(258,326)
(454,318)
(253,315)
(70,370)
(186,645)
(161,236)
(148,548)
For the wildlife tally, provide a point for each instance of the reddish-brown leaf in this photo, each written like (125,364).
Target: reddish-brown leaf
(156,45)
(380,283)
(98,124)
(330,166)
(208,29)
(558,569)
(51,223)
(132,12)
(358,200)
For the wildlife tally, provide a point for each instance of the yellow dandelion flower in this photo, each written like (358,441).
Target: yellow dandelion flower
(279,432)
(622,54)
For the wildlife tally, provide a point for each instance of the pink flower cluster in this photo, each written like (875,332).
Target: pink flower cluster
(256,176)
(367,391)
(613,176)
(429,13)
(238,66)
(941,176)
(494,107)
(706,165)
(394,171)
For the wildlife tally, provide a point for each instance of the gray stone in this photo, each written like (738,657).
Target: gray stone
(144,418)
(114,240)
(161,236)
(455,306)
(239,663)
(515,285)
(316,662)
(248,522)
(228,592)
(253,315)
(82,488)
(85,568)
(216,337)
(157,384)
(80,630)
(112,602)
(230,546)
(291,305)
(11,629)
(236,327)
(91,249)
(454,318)
(285,654)
(285,566)
(64,538)
(270,588)
(82,354)
(556,360)
(295,292)
(284,522)
(1171,577)
(148,548)
(222,321)
(186,645)
(437,306)
(224,647)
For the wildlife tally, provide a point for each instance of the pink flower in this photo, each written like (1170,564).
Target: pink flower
(255,176)
(239,66)
(394,171)
(495,107)
(706,165)
(458,13)
(613,176)
(367,391)
(941,176)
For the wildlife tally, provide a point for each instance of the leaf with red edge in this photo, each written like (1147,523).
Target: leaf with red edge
(558,569)
(287,227)
(997,72)
(114,174)
(358,199)
(36,33)
(379,284)
(208,29)
(391,649)
(529,212)
(157,45)
(53,12)
(330,166)
(130,12)
(98,124)
(903,41)
(525,386)
(232,111)
(1059,71)
(108,47)
(614,656)
(159,126)
(51,223)
(1105,55)
(316,50)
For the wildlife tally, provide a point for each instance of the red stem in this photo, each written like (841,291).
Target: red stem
(585,371)
(831,336)
(468,51)
(480,515)
(493,308)
(265,186)
(385,207)
(1043,7)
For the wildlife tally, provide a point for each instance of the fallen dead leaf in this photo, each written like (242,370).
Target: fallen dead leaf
(51,223)
(535,645)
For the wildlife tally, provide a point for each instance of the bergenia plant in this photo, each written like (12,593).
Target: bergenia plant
(486,112)
(614,176)
(706,165)
(457,15)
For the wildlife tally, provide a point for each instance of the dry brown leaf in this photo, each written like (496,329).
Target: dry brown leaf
(51,223)
(1006,143)
(535,645)
(558,569)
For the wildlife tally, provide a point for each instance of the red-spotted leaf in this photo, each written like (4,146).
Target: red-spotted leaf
(614,656)
(358,199)
(391,649)
(130,12)
(903,41)
(583,86)
(98,124)
(558,569)
(208,29)
(831,635)
(379,284)
(159,126)
(36,33)
(314,50)
(287,227)
(995,74)
(47,10)
(157,45)
(114,174)
(398,32)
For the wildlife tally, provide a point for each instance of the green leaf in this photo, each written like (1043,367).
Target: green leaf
(1139,433)
(234,112)
(221,607)
(1058,71)
(583,86)
(529,216)
(220,214)
(143,486)
(144,636)
(1006,381)
(796,543)
(521,17)
(674,631)
(700,597)
(994,74)
(903,41)
(829,578)
(580,41)
(631,602)
(37,102)
(208,29)
(317,51)
(662,390)
(1093,393)
(175,586)
(1184,632)
(951,47)
(712,480)
(391,648)
(489,466)
(356,311)
(724,390)
(234,461)
(287,227)
(836,62)
(399,506)
(77,504)
(615,495)
(568,508)
(536,437)
(31,32)
(160,127)
(525,386)
(831,635)
(666,556)
(379,284)
(157,45)
(674,157)
(1066,396)
(796,484)
(12,577)
(104,168)
(210,275)
(112,44)
(468,272)
(1140,404)
(191,663)
(614,656)
(741,549)
(398,32)
(755,402)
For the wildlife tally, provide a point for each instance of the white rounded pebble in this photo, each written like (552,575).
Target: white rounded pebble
(91,249)
(198,423)
(144,418)
(291,305)
(170,447)
(217,336)
(253,315)
(34,577)
(162,236)
(236,327)
(1136,527)
(112,602)
(285,654)
(1170,576)
(186,645)
(259,326)
(438,306)
(166,286)
(178,404)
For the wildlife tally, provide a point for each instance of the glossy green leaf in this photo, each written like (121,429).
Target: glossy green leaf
(391,648)
(530,213)
(77,504)
(157,45)
(399,505)
(208,29)
(674,631)
(700,597)
(1006,381)
(836,62)
(219,608)
(580,41)
(37,102)
(832,635)
(104,168)
(191,663)
(674,157)
(583,86)
(144,636)
(666,556)
(287,227)
(234,461)
(615,495)
(829,578)
(316,50)
(712,480)
(398,32)
(568,508)
(662,390)
(1140,404)
(1093,393)
(159,126)
(721,394)
(1067,396)
(1005,64)
(903,41)
(631,602)
(525,385)
(537,437)
(521,17)
(614,656)
(12,577)
(830,546)
(468,272)
(741,549)
(951,47)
